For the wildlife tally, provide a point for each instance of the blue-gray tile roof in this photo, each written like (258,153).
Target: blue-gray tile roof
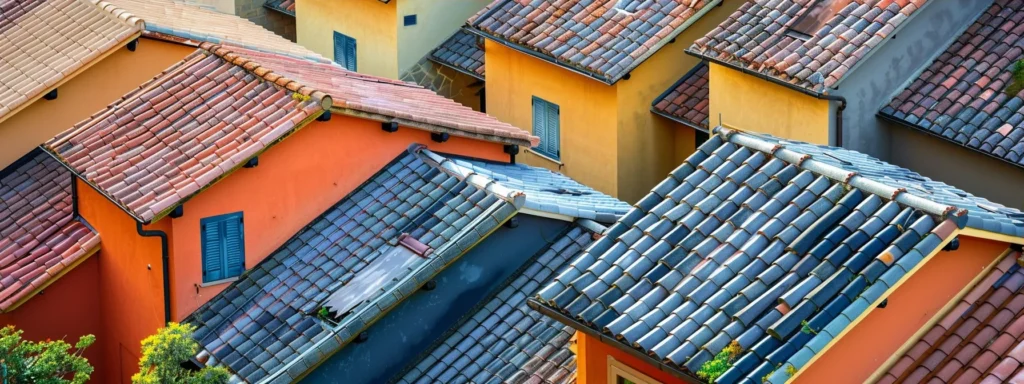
(265,328)
(551,192)
(752,237)
(506,341)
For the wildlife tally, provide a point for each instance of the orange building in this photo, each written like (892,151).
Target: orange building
(761,260)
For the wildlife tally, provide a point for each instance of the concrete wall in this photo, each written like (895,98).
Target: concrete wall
(415,324)
(588,111)
(370,22)
(277,22)
(88,92)
(435,23)
(749,103)
(889,68)
(972,171)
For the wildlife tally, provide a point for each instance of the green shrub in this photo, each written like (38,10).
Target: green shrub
(45,362)
(711,370)
(163,354)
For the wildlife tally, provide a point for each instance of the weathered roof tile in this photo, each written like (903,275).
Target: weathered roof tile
(687,100)
(463,52)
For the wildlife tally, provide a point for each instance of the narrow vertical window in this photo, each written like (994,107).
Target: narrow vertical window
(546,126)
(223,246)
(345,51)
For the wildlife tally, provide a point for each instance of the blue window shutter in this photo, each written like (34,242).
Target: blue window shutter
(345,51)
(213,251)
(223,246)
(553,128)
(350,54)
(234,246)
(546,127)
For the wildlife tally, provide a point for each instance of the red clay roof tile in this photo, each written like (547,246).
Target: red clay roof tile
(144,165)
(43,42)
(687,100)
(39,237)
(284,6)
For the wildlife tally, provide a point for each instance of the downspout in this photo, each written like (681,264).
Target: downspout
(817,95)
(165,259)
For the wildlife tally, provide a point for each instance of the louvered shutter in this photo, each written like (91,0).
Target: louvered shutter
(213,251)
(546,127)
(539,121)
(350,53)
(234,246)
(552,131)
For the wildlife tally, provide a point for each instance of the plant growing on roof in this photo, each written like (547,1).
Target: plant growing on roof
(712,369)
(163,354)
(790,370)
(46,362)
(805,327)
(1017,79)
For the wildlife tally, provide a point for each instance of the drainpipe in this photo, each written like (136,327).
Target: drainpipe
(817,95)
(165,259)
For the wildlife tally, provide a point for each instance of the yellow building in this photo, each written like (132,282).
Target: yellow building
(377,37)
(583,79)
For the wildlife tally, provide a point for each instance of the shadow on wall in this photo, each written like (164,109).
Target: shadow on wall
(447,82)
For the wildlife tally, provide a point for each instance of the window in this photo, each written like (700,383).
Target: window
(345,51)
(619,373)
(546,126)
(223,240)
(409,20)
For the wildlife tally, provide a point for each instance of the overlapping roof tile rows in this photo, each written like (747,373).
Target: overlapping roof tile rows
(506,341)
(605,38)
(962,96)
(981,340)
(284,6)
(758,37)
(549,191)
(463,52)
(393,100)
(182,131)
(752,237)
(185,23)
(265,325)
(44,42)
(39,237)
(687,100)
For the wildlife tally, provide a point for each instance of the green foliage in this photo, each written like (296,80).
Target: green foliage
(806,328)
(163,353)
(45,362)
(324,314)
(790,370)
(1017,82)
(711,370)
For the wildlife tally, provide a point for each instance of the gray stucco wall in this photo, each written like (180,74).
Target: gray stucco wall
(889,68)
(953,164)
(410,328)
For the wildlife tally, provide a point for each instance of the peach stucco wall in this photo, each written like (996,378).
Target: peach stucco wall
(592,362)
(130,284)
(85,94)
(857,354)
(294,183)
(67,309)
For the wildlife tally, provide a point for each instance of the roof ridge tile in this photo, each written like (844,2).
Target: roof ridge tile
(268,74)
(120,13)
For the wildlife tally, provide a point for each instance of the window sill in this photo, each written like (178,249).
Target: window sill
(545,157)
(219,282)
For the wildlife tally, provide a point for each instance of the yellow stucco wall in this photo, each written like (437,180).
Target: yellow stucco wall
(86,94)
(433,25)
(587,113)
(371,22)
(748,103)
(648,146)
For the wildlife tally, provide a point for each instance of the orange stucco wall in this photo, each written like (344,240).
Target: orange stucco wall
(295,182)
(67,309)
(85,94)
(869,344)
(130,282)
(592,362)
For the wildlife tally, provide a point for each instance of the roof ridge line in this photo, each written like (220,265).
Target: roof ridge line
(484,183)
(323,99)
(121,14)
(851,178)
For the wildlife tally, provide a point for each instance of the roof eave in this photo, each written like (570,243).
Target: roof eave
(455,68)
(680,121)
(428,127)
(892,118)
(28,296)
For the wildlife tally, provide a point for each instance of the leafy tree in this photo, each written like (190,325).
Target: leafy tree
(163,353)
(45,362)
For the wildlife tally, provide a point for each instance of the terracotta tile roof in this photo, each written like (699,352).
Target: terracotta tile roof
(284,6)
(751,237)
(979,340)
(44,42)
(190,24)
(605,39)
(462,52)
(759,36)
(224,108)
(39,237)
(506,340)
(961,97)
(392,100)
(687,100)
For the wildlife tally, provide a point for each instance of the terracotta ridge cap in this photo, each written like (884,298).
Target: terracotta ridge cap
(121,14)
(323,99)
